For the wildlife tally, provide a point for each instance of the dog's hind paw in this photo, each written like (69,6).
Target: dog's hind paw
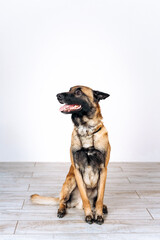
(61,213)
(105,209)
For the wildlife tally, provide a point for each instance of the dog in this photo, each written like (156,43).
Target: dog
(90,153)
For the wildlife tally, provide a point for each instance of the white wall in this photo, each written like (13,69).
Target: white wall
(48,46)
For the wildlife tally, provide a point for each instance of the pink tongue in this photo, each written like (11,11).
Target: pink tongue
(69,108)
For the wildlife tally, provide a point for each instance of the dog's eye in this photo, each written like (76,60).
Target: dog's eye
(78,92)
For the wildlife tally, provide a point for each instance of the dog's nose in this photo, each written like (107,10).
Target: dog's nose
(60,97)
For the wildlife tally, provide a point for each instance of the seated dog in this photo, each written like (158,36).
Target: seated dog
(90,153)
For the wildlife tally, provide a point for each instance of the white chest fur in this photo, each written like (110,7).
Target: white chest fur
(87,141)
(85,131)
(90,178)
(86,136)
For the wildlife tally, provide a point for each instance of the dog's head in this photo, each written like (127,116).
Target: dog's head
(80,100)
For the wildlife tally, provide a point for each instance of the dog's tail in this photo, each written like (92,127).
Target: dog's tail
(44,200)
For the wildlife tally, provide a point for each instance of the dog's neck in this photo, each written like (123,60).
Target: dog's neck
(89,123)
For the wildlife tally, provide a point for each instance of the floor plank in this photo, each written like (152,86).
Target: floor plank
(11,204)
(7,227)
(155,212)
(135,169)
(72,214)
(15,174)
(9,186)
(149,194)
(29,237)
(84,236)
(145,180)
(111,226)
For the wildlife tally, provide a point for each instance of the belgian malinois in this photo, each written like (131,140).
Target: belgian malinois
(90,153)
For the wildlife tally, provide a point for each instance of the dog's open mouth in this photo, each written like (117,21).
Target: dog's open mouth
(70,108)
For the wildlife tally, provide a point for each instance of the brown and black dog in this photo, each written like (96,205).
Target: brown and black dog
(90,153)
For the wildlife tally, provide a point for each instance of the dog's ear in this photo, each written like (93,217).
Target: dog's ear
(100,95)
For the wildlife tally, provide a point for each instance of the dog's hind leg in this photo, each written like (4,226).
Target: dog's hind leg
(67,188)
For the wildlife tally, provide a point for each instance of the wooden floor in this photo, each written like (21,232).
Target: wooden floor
(132,196)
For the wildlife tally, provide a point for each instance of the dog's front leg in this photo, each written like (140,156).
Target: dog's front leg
(77,158)
(100,208)
(99,204)
(67,188)
(86,204)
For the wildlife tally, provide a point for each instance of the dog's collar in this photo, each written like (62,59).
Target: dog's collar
(97,130)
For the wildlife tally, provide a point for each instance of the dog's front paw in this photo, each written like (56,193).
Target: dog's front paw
(61,213)
(99,220)
(89,219)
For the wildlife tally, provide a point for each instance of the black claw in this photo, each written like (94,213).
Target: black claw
(99,220)
(105,209)
(61,213)
(89,219)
